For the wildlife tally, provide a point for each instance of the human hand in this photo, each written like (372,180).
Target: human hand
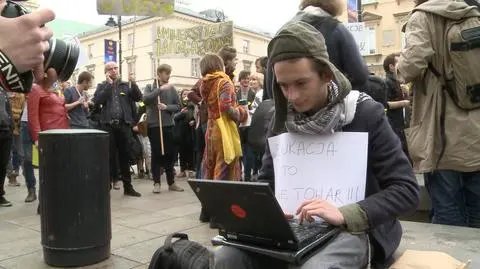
(162,106)
(36,143)
(192,123)
(108,78)
(322,209)
(135,129)
(184,110)
(25,39)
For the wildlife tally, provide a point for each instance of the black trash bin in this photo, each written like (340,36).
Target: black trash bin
(74,197)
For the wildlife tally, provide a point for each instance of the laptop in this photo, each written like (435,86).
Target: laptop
(248,213)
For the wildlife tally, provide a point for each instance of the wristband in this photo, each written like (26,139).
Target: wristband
(11,79)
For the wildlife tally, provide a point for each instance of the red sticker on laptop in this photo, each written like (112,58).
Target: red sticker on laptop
(238,211)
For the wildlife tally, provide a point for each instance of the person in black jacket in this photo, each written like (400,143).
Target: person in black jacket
(397,99)
(117,118)
(342,48)
(312,97)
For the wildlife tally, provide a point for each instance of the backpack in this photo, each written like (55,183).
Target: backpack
(377,89)
(260,119)
(461,74)
(181,254)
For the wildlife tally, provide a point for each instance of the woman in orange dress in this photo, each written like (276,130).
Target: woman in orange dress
(219,92)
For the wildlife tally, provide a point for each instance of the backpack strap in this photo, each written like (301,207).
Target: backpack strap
(325,25)
(168,240)
(443,138)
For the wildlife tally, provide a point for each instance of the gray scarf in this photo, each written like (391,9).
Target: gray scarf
(330,118)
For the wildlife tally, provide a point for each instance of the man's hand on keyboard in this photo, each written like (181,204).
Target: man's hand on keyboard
(322,209)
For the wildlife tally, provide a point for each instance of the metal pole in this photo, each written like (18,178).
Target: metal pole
(120,62)
(359,10)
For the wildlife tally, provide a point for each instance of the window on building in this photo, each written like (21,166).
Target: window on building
(372,40)
(247,65)
(131,41)
(245,46)
(90,51)
(388,38)
(195,68)
(154,63)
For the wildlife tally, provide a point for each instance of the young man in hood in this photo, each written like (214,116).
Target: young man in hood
(452,178)
(308,101)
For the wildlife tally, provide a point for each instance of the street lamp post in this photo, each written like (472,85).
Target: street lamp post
(112,23)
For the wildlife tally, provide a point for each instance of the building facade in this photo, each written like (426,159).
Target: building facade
(138,58)
(383,23)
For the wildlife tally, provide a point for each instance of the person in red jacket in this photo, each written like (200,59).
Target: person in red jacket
(46,111)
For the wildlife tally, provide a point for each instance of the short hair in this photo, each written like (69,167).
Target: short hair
(334,7)
(84,76)
(164,68)
(263,61)
(227,53)
(390,59)
(243,75)
(259,77)
(211,63)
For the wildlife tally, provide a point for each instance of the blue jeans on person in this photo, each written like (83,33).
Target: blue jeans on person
(27,144)
(16,158)
(455,197)
(248,160)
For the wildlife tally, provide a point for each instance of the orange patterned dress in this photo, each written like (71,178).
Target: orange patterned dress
(218,91)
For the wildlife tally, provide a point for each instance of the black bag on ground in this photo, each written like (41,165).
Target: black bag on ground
(257,133)
(181,254)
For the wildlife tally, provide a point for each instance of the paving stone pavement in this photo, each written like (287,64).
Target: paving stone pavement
(139,226)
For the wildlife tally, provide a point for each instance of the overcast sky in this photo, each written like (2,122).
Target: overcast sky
(256,13)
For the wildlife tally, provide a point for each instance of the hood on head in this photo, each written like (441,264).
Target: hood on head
(452,9)
(295,40)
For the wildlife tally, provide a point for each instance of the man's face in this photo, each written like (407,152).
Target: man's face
(131,77)
(301,84)
(231,65)
(112,70)
(164,77)
(258,67)
(86,84)
(245,82)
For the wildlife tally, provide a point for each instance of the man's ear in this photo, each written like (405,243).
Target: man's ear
(326,77)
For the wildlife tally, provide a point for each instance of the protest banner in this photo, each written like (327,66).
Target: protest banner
(193,41)
(159,8)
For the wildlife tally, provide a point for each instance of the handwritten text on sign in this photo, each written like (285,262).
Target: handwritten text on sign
(331,167)
(158,8)
(193,41)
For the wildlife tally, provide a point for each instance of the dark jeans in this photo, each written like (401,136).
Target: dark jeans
(27,144)
(167,160)
(5,148)
(119,137)
(199,148)
(455,197)
(248,158)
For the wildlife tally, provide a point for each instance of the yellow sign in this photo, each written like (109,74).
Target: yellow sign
(194,41)
(159,8)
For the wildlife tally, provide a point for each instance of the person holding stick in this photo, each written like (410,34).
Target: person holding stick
(162,102)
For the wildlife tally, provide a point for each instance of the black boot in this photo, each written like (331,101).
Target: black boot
(130,191)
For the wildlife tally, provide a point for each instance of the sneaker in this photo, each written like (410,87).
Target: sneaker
(117,185)
(174,187)
(32,196)
(156,188)
(12,181)
(131,192)
(4,202)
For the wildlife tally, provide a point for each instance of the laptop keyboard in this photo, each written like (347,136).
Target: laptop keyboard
(308,230)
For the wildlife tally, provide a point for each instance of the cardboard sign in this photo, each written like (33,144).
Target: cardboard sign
(158,8)
(327,167)
(193,41)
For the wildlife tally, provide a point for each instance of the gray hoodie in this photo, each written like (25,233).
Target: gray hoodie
(169,97)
